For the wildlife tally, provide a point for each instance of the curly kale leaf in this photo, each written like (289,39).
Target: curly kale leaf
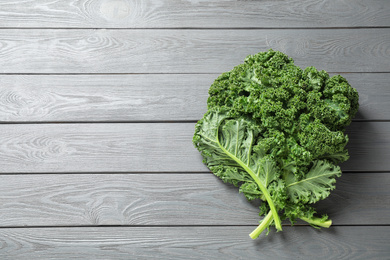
(227,147)
(316,184)
(310,108)
(278,132)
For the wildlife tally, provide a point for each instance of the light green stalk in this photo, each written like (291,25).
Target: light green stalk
(263,189)
(318,222)
(263,225)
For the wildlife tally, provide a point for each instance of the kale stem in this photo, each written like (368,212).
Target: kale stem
(263,225)
(262,188)
(318,222)
(267,196)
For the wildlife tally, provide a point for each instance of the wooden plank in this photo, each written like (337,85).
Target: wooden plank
(148,97)
(368,146)
(86,98)
(98,148)
(188,51)
(120,199)
(169,199)
(374,94)
(194,243)
(142,147)
(193,13)
(359,199)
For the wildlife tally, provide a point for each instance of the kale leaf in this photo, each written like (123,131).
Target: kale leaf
(277,132)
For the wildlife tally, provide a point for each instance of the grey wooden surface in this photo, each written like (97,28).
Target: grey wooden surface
(98,101)
(222,242)
(146,199)
(188,50)
(193,13)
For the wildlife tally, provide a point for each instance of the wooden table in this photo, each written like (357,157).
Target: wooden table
(98,104)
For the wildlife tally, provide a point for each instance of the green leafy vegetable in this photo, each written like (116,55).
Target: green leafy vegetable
(277,132)
(316,185)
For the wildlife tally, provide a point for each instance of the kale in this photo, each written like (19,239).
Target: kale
(278,133)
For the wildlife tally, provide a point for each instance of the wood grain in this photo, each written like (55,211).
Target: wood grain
(97,103)
(142,147)
(193,13)
(188,51)
(86,98)
(149,97)
(195,243)
(120,199)
(169,199)
(98,148)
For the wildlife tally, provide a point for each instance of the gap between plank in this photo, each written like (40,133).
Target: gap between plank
(153,173)
(177,226)
(161,73)
(197,28)
(142,122)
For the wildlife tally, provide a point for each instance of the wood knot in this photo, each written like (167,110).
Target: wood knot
(113,10)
